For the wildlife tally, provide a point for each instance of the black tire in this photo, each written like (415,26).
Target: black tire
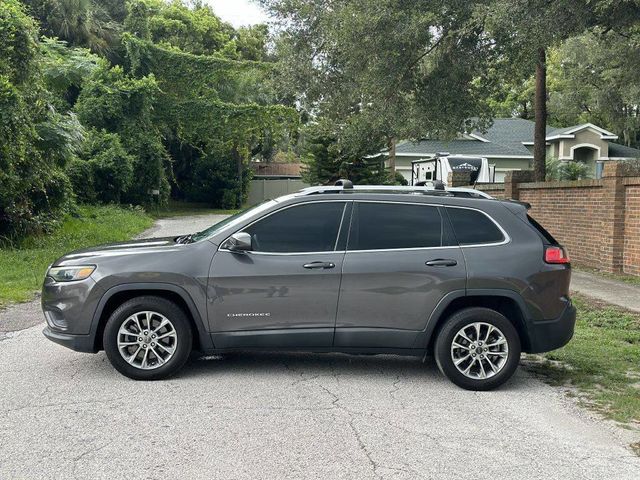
(180,322)
(469,316)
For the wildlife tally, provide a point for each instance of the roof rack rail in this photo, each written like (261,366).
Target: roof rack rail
(430,189)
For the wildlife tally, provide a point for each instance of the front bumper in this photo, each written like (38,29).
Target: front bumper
(549,335)
(79,343)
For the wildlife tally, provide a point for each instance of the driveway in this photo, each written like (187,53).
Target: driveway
(273,416)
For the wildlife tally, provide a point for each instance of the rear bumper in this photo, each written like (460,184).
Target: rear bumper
(548,335)
(79,343)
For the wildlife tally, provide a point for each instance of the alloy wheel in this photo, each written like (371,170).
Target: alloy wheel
(479,350)
(147,340)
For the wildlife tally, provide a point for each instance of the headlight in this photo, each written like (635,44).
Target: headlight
(69,274)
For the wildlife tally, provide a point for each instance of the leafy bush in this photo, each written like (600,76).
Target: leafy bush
(562,170)
(572,171)
(120,104)
(65,70)
(34,191)
(80,174)
(214,181)
(111,166)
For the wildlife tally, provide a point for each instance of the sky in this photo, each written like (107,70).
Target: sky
(239,12)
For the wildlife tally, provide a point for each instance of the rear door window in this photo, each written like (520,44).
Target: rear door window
(472,227)
(379,226)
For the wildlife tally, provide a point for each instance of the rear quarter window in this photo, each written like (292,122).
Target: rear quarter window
(472,227)
(546,236)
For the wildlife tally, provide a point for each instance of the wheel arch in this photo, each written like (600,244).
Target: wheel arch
(119,294)
(506,302)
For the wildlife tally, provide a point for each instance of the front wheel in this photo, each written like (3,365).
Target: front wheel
(148,338)
(478,349)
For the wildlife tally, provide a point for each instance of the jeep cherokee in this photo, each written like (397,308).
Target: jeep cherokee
(454,273)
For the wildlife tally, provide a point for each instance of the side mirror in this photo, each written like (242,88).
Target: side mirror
(239,242)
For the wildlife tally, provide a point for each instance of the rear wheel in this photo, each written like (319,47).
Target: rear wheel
(478,349)
(148,338)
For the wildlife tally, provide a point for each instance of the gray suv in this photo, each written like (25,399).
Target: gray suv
(362,270)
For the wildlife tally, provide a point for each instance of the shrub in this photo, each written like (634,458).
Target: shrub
(34,190)
(111,165)
(104,169)
(562,170)
(121,104)
(80,174)
(572,171)
(214,181)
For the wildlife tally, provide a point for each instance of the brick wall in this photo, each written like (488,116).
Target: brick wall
(597,220)
(632,226)
(496,190)
(570,213)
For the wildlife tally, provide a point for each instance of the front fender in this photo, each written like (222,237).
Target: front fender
(150,287)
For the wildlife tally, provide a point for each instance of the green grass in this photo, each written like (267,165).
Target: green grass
(621,277)
(182,209)
(22,269)
(602,361)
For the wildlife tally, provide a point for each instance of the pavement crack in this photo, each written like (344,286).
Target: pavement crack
(301,374)
(362,445)
(85,453)
(356,433)
(395,387)
(90,451)
(336,398)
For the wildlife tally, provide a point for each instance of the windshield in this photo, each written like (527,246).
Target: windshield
(233,220)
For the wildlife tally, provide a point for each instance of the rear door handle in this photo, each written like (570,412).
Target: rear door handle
(319,265)
(441,262)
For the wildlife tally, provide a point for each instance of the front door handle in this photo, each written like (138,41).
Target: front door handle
(319,265)
(441,262)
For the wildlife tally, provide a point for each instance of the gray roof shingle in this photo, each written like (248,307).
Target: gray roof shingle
(504,137)
(622,151)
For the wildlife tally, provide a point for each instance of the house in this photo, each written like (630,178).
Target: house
(508,145)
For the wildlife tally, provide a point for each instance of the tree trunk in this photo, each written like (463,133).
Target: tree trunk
(391,144)
(540,132)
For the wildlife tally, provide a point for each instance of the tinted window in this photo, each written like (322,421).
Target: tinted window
(387,225)
(306,228)
(542,231)
(471,226)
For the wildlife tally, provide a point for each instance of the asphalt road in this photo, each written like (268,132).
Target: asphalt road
(274,416)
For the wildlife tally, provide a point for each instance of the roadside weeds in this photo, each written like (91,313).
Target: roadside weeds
(600,366)
(22,268)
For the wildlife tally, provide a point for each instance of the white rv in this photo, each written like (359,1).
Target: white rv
(439,167)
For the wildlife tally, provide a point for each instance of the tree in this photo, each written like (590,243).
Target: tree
(593,78)
(81,23)
(523,34)
(35,141)
(117,102)
(525,29)
(392,69)
(210,107)
(65,70)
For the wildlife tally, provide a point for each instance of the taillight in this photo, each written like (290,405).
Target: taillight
(555,254)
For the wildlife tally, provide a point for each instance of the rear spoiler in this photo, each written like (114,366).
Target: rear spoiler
(526,205)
